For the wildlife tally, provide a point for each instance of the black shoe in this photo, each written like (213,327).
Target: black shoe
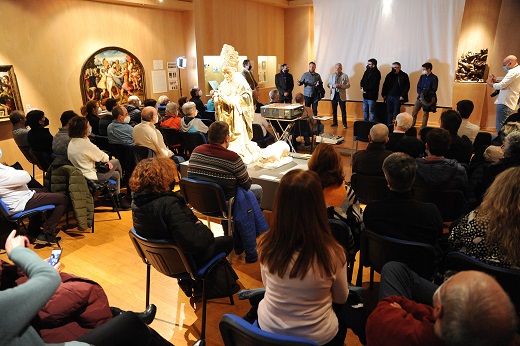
(48,239)
(148,315)
(116,311)
(122,204)
(344,126)
(334,125)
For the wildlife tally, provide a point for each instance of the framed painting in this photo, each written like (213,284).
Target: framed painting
(112,72)
(9,93)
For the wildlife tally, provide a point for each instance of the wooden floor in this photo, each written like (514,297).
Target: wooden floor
(108,257)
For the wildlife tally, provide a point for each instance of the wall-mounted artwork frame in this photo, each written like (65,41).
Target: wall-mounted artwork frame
(112,72)
(10,99)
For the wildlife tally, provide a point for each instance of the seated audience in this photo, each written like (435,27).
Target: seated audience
(181,101)
(461,148)
(465,107)
(437,172)
(39,137)
(511,159)
(120,131)
(491,232)
(196,93)
(492,154)
(370,161)
(17,196)
(470,308)
(398,141)
(133,110)
(162,101)
(147,135)
(307,123)
(264,124)
(189,123)
(210,106)
(160,213)
(400,216)
(61,140)
(84,154)
(171,119)
(216,163)
(274,96)
(340,199)
(303,267)
(107,118)
(257,104)
(32,295)
(93,113)
(150,103)
(20,131)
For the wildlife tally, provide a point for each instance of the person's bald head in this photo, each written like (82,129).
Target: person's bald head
(378,133)
(471,308)
(510,59)
(403,121)
(148,113)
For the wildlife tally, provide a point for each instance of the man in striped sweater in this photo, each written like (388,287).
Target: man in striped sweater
(214,162)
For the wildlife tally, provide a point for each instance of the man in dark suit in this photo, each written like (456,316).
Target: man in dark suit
(248,75)
(285,84)
(400,216)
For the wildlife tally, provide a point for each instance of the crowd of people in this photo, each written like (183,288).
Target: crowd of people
(303,265)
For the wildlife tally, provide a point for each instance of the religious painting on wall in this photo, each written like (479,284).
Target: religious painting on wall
(9,93)
(112,72)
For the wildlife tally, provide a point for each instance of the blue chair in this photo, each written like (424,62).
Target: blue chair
(377,250)
(191,140)
(360,134)
(18,218)
(168,259)
(237,332)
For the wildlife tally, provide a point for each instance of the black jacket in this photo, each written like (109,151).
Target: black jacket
(166,216)
(403,84)
(444,174)
(370,83)
(40,139)
(201,109)
(284,84)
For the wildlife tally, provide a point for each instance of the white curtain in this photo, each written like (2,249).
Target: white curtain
(411,32)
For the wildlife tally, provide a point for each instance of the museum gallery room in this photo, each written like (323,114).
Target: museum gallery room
(81,55)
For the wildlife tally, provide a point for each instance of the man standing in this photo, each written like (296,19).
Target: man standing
(427,84)
(507,99)
(311,80)
(284,83)
(248,75)
(338,84)
(370,89)
(395,91)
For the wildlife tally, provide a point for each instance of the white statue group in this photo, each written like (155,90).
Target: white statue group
(234,104)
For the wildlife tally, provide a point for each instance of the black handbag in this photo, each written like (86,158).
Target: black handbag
(102,167)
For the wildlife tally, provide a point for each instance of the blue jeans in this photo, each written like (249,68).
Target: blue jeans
(369,106)
(393,106)
(503,112)
(399,280)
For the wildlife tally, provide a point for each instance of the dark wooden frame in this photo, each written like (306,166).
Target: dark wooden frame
(8,70)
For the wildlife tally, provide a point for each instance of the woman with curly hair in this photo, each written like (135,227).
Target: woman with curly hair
(303,267)
(491,233)
(160,213)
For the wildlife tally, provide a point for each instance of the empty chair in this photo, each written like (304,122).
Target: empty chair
(170,260)
(237,332)
(102,143)
(209,115)
(191,140)
(208,198)
(26,151)
(369,188)
(482,139)
(377,250)
(172,139)
(451,203)
(360,134)
(509,279)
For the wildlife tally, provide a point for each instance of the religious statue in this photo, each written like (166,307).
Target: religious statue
(471,67)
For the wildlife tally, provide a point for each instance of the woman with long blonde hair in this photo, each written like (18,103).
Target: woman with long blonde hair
(303,267)
(491,233)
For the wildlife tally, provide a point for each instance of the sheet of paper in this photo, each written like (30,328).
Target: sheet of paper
(158,65)
(159,81)
(268,177)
